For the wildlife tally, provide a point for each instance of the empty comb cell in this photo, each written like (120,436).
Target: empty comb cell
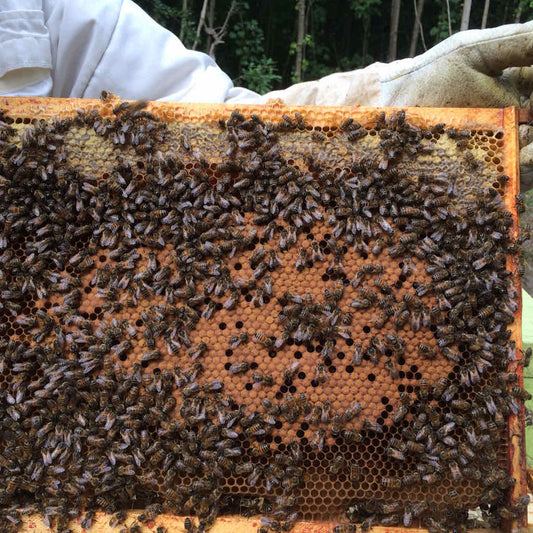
(306,314)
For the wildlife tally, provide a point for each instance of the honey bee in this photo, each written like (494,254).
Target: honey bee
(400,414)
(300,121)
(232,300)
(281,339)
(451,354)
(264,340)
(347,124)
(209,309)
(287,122)
(520,204)
(373,426)
(257,256)
(327,350)
(301,260)
(190,389)
(527,357)
(238,368)
(320,374)
(391,482)
(260,270)
(254,430)
(356,134)
(424,389)
(481,263)
(87,520)
(118,518)
(377,247)
(262,379)
(259,449)
(520,393)
(402,318)
(351,412)
(391,367)
(153,355)
(318,136)
(426,351)
(337,465)
(120,108)
(361,303)
(316,253)
(291,371)
(395,454)
(268,285)
(318,439)
(314,415)
(196,351)
(237,340)
(122,348)
(347,318)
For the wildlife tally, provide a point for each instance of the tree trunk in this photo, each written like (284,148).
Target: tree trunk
(449,17)
(465,18)
(393,35)
(364,51)
(300,41)
(184,19)
(417,27)
(201,22)
(485,14)
(210,24)
(217,36)
(519,11)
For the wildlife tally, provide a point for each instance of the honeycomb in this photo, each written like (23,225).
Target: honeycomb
(300,313)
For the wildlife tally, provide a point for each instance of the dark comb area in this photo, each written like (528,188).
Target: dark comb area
(302,315)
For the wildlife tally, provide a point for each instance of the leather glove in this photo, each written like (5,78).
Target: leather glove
(476,68)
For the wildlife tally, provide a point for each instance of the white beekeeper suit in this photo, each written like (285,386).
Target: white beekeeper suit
(77,48)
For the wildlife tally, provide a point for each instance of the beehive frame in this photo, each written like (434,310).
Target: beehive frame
(324,122)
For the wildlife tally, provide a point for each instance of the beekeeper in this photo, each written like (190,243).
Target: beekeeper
(75,48)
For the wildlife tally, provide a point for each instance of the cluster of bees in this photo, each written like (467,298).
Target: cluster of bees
(135,401)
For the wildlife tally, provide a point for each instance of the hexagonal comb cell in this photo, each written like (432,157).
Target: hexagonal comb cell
(301,313)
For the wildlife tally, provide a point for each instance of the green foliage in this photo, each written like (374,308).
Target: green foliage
(307,43)
(354,62)
(440,30)
(189,28)
(526,7)
(363,9)
(167,15)
(257,72)
(247,39)
(260,76)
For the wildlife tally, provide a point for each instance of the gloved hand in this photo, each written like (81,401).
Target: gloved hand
(476,68)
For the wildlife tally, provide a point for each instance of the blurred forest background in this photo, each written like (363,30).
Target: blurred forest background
(270,44)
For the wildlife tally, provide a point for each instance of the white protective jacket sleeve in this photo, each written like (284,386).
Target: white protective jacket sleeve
(77,48)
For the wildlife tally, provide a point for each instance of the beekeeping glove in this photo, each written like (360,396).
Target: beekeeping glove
(476,68)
